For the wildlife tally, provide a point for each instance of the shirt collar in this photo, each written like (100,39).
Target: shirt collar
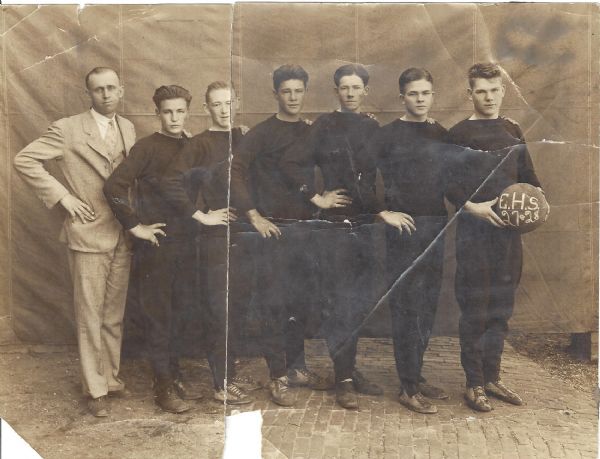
(101,120)
(185,134)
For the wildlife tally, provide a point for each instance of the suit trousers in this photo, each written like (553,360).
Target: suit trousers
(488,271)
(100,283)
(413,300)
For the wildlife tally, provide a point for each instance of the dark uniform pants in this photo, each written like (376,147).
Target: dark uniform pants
(167,292)
(254,290)
(414,299)
(220,308)
(488,270)
(298,268)
(347,264)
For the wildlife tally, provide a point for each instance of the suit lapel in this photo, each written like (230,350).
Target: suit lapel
(93,136)
(128,135)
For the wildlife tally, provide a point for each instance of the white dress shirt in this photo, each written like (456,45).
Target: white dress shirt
(102,122)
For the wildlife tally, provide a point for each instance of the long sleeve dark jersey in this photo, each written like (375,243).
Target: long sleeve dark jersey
(145,165)
(203,167)
(336,142)
(495,156)
(257,181)
(412,158)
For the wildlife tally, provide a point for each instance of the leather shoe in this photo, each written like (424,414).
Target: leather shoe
(500,391)
(432,392)
(345,395)
(233,395)
(303,377)
(99,406)
(245,382)
(185,392)
(476,399)
(417,403)
(279,392)
(363,386)
(169,401)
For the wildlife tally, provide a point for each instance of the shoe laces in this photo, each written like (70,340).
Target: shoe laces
(421,399)
(479,391)
(242,379)
(235,390)
(281,384)
(311,376)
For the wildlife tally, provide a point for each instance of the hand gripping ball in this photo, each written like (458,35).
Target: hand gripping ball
(522,207)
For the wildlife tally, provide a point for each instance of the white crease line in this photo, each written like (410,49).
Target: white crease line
(25,18)
(48,58)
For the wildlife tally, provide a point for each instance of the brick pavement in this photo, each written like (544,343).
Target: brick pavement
(555,422)
(40,397)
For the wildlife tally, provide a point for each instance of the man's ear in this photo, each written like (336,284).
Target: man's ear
(470,93)
(205,107)
(121,91)
(503,90)
(157,111)
(366,90)
(401,97)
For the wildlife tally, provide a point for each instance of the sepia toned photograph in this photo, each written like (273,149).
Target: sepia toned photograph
(300,230)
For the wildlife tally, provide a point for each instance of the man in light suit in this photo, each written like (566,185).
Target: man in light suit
(87,148)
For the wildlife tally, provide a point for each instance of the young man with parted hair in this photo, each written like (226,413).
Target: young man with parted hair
(163,244)
(335,143)
(488,255)
(411,153)
(261,192)
(226,270)
(88,147)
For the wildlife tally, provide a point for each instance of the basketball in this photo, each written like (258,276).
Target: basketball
(522,207)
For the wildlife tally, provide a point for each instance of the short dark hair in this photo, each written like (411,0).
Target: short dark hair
(289,72)
(486,70)
(98,70)
(413,74)
(217,85)
(171,92)
(351,69)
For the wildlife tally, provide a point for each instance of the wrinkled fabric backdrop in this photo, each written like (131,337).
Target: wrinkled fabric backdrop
(549,50)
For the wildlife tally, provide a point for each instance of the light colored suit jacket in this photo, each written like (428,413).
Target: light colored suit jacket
(83,158)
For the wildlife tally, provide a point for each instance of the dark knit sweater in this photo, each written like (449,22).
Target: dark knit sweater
(142,171)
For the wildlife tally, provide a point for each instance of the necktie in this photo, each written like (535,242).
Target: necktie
(111,136)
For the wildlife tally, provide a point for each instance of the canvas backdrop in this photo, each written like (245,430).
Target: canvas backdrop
(549,51)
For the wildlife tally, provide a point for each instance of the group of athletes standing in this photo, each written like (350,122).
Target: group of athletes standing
(244,209)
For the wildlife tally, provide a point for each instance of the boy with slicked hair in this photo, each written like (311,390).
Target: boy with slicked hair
(488,255)
(163,243)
